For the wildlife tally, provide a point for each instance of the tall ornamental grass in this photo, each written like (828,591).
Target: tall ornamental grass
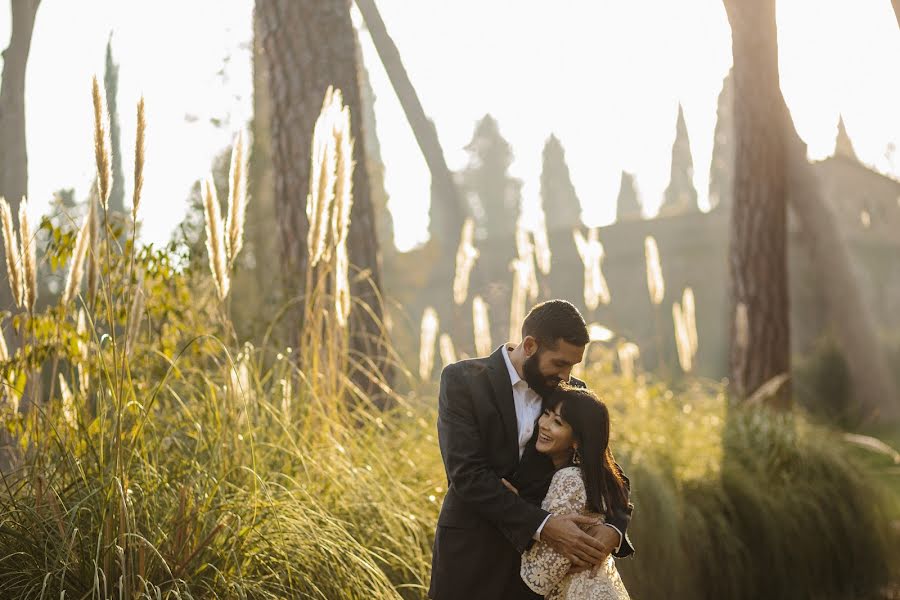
(152,455)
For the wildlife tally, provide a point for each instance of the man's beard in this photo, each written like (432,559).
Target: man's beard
(538,382)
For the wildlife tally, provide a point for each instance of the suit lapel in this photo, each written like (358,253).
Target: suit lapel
(503,398)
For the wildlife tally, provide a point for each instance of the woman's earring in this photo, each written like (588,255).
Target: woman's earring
(576,457)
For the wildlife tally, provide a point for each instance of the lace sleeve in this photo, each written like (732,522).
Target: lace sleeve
(542,566)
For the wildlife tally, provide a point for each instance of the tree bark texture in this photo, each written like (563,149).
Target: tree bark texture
(451,210)
(760,347)
(13,153)
(309,45)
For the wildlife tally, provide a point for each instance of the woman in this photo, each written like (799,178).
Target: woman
(574,433)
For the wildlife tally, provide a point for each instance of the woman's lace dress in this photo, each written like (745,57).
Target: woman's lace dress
(545,570)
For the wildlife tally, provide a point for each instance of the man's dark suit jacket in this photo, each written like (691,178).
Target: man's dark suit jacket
(483,527)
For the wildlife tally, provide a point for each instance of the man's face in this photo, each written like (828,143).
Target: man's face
(545,368)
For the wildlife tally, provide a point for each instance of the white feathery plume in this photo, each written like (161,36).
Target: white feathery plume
(102,143)
(690,317)
(237,200)
(466,255)
(482,326)
(448,352)
(542,253)
(215,239)
(68,402)
(76,270)
(427,339)
(28,253)
(596,291)
(628,353)
(11,245)
(682,339)
(322,179)
(655,282)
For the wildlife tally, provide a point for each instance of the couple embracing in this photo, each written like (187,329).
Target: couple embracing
(536,506)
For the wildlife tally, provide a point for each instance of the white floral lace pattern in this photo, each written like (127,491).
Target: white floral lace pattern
(546,571)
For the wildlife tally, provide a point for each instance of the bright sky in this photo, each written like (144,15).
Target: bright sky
(605,77)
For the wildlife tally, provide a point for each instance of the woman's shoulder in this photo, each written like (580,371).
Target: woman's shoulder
(567,492)
(568,476)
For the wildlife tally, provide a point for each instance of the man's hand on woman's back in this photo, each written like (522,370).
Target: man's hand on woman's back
(565,536)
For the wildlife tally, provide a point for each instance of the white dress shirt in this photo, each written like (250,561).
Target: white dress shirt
(527,401)
(528,409)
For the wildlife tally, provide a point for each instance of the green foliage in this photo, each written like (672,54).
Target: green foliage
(822,383)
(735,503)
(182,464)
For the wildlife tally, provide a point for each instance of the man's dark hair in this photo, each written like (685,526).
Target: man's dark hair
(555,320)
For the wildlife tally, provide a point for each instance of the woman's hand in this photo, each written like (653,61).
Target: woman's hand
(510,486)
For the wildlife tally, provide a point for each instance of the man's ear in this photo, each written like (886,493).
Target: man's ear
(530,344)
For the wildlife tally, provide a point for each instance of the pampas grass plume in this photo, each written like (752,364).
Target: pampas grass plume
(76,271)
(11,245)
(655,283)
(322,179)
(215,239)
(427,338)
(101,142)
(466,255)
(139,146)
(237,201)
(29,258)
(482,326)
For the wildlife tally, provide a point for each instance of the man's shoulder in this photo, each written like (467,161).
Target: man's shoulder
(469,367)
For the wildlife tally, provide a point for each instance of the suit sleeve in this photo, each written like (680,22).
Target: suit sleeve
(468,469)
(620,519)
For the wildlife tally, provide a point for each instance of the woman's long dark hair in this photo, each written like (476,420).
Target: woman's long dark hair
(589,419)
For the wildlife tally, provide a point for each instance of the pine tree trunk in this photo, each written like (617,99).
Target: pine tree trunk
(450,211)
(760,349)
(13,155)
(309,45)
(873,387)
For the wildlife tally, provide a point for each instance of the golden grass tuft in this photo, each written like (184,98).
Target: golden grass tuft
(68,402)
(4,349)
(11,245)
(342,206)
(237,199)
(322,179)
(482,325)
(628,354)
(466,255)
(682,339)
(83,353)
(139,147)
(101,142)
(76,270)
(215,239)
(525,285)
(689,309)
(28,254)
(596,290)
(135,314)
(448,352)
(427,338)
(542,254)
(93,256)
(656,285)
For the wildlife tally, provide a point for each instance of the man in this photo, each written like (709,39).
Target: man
(487,410)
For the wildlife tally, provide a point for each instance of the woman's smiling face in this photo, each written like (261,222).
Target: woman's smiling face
(555,436)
